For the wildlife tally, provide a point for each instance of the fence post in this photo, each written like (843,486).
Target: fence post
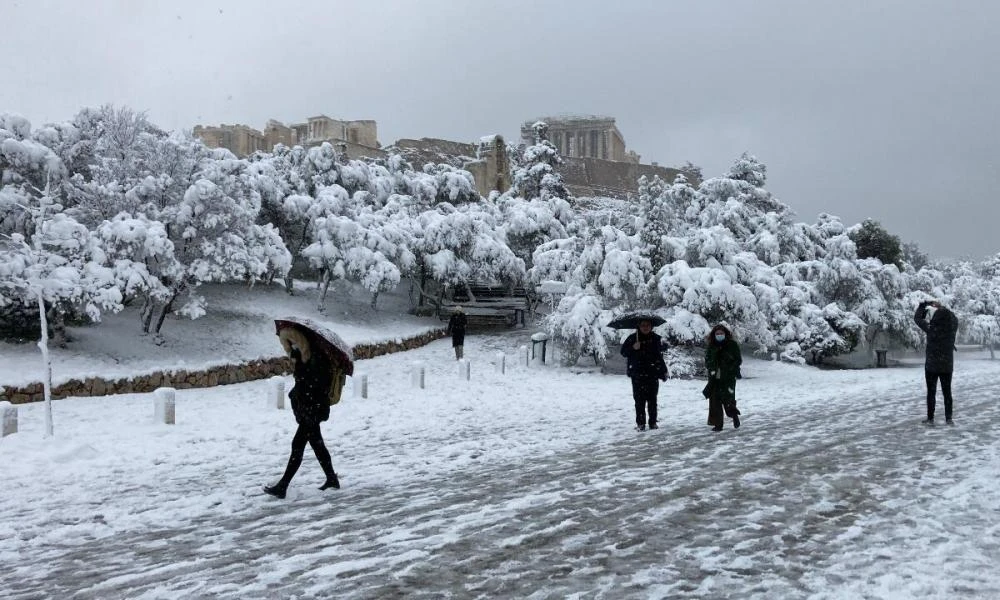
(501,363)
(360,385)
(8,419)
(417,375)
(164,405)
(526,354)
(276,392)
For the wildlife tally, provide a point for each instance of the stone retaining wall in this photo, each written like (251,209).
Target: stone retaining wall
(183,379)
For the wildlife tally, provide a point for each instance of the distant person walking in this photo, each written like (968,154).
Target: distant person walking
(646,368)
(722,361)
(310,398)
(456,329)
(941,327)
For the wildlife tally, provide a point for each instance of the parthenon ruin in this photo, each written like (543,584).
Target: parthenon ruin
(583,137)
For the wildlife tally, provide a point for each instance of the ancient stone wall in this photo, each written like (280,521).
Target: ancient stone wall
(360,150)
(184,379)
(596,177)
(431,150)
(362,133)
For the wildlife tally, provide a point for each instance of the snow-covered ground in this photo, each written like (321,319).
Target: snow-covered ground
(529,484)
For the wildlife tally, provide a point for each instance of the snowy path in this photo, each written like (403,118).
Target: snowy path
(816,497)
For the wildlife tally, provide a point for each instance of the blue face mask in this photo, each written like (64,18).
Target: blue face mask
(720,337)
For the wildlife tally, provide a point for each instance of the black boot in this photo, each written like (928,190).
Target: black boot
(327,464)
(277,490)
(331,482)
(736,421)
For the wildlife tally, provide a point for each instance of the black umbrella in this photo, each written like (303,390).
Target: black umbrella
(632,320)
(320,336)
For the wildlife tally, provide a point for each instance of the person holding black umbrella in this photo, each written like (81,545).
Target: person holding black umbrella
(722,361)
(316,380)
(646,368)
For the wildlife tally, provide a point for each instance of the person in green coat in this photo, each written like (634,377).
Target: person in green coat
(722,361)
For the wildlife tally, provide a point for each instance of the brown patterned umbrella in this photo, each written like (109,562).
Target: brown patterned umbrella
(336,349)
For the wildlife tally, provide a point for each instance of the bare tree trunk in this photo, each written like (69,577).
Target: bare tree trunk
(440,298)
(290,284)
(425,295)
(146,313)
(169,306)
(43,345)
(59,337)
(374,301)
(321,307)
(422,283)
(468,290)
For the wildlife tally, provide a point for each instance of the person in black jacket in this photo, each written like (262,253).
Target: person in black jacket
(722,362)
(646,368)
(311,406)
(941,329)
(456,329)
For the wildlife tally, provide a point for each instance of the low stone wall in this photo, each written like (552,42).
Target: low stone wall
(184,379)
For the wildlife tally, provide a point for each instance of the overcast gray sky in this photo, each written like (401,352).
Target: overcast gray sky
(882,108)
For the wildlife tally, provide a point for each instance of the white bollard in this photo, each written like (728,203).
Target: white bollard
(417,375)
(8,419)
(464,371)
(360,385)
(501,363)
(527,355)
(164,405)
(276,392)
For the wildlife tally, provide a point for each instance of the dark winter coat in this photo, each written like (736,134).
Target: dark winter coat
(310,395)
(456,328)
(647,361)
(941,332)
(722,361)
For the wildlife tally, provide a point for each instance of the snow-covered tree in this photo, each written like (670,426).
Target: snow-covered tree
(579,324)
(873,241)
(974,291)
(212,233)
(535,175)
(448,183)
(660,225)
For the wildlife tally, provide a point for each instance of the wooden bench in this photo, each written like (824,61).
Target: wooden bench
(478,316)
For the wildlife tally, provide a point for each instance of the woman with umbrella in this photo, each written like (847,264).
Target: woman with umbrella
(318,383)
(722,361)
(646,368)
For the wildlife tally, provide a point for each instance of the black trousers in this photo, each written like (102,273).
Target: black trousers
(716,408)
(932,379)
(644,391)
(312,435)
